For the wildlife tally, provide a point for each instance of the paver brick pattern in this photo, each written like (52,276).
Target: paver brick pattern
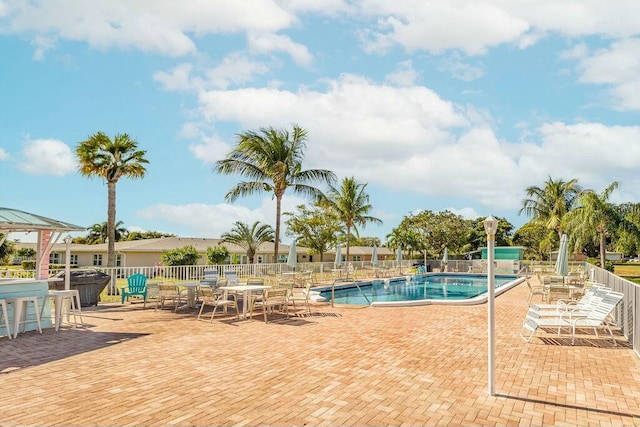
(339,366)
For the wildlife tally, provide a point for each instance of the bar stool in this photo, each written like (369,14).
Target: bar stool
(5,316)
(20,307)
(65,302)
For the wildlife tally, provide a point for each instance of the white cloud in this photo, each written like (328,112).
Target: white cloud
(3,154)
(178,78)
(211,150)
(42,44)
(269,42)
(49,157)
(466,213)
(234,69)
(212,220)
(459,68)
(405,75)
(617,66)
(435,26)
(160,26)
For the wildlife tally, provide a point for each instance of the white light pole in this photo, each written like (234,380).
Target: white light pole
(67,263)
(491,226)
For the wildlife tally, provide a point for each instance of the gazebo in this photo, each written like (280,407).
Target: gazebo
(49,232)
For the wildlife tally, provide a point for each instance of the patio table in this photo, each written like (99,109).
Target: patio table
(191,293)
(245,289)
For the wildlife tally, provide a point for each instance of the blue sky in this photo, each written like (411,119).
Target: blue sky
(457,105)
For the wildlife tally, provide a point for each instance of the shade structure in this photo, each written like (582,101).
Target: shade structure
(562,262)
(338,261)
(292,259)
(374,256)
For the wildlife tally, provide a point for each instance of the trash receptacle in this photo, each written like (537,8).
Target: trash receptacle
(89,283)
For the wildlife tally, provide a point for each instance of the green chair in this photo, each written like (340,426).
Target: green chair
(136,286)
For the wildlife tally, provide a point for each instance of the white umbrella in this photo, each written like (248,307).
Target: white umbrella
(374,256)
(338,261)
(399,257)
(562,262)
(292,259)
(445,259)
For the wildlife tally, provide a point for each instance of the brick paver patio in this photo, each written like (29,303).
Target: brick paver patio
(340,366)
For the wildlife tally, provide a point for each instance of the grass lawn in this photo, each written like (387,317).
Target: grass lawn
(629,270)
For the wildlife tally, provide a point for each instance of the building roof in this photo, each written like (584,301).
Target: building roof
(16,220)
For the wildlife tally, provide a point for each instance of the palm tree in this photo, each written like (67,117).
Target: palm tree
(595,219)
(548,205)
(350,204)
(98,232)
(111,159)
(272,161)
(249,238)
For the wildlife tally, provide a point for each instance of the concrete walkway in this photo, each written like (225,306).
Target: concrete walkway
(339,366)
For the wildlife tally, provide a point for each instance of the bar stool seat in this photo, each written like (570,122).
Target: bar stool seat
(5,316)
(65,302)
(20,306)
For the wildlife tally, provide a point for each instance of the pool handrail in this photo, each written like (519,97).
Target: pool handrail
(346,280)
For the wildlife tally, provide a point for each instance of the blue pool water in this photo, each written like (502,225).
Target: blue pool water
(449,287)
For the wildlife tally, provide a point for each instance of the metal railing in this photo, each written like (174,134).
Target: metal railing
(626,313)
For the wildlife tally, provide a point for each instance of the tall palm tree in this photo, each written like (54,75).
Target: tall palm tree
(111,159)
(350,204)
(548,205)
(98,233)
(249,238)
(595,219)
(272,161)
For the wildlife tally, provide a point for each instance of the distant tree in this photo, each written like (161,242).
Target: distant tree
(217,254)
(350,204)
(549,205)
(98,233)
(272,160)
(186,255)
(366,241)
(249,238)
(534,238)
(313,228)
(7,249)
(144,235)
(111,160)
(26,252)
(596,219)
(478,236)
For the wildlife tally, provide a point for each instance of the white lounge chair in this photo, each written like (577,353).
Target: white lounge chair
(597,317)
(589,300)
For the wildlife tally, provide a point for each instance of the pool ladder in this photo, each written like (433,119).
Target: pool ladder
(346,280)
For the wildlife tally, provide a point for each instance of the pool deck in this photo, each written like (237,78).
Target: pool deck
(340,366)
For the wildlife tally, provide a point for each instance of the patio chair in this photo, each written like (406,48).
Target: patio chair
(597,317)
(302,297)
(589,299)
(536,290)
(216,298)
(136,286)
(232,277)
(211,277)
(168,291)
(271,299)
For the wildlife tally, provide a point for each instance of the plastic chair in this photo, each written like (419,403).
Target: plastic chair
(65,302)
(136,286)
(20,306)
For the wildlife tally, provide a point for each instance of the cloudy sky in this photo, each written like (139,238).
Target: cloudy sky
(435,104)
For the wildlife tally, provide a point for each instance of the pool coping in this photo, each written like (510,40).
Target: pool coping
(480,299)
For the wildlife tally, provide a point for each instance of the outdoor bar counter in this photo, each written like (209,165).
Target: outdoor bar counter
(12,288)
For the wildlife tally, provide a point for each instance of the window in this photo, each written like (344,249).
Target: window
(54,258)
(356,257)
(73,259)
(119,260)
(97,259)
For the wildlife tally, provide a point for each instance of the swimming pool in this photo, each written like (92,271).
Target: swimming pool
(438,288)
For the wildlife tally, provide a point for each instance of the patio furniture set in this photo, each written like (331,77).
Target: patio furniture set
(267,295)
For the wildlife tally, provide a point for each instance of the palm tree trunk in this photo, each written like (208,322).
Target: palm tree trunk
(111,223)
(348,242)
(277,233)
(603,250)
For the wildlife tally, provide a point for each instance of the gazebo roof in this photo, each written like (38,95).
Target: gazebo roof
(12,220)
